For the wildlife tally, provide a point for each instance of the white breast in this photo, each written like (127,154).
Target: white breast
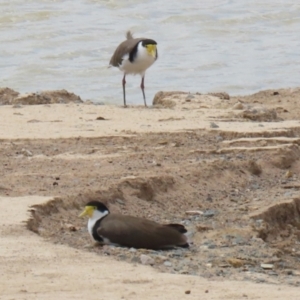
(141,63)
(90,226)
(92,221)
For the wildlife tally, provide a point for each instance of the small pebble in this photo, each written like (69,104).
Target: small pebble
(272,273)
(267,266)
(132,250)
(235,262)
(71,227)
(168,263)
(100,118)
(121,202)
(238,105)
(288,174)
(146,260)
(189,97)
(213,125)
(194,212)
(26,152)
(177,253)
(161,258)
(209,213)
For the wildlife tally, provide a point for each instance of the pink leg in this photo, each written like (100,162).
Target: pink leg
(143,89)
(124,94)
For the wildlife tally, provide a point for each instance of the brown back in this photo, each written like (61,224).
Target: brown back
(140,233)
(124,48)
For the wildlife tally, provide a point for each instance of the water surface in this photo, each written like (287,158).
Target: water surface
(204,46)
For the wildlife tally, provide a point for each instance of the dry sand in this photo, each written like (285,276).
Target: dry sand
(64,150)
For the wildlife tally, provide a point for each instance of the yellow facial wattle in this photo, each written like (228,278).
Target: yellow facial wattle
(88,211)
(151,50)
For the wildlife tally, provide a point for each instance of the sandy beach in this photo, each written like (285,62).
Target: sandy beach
(233,160)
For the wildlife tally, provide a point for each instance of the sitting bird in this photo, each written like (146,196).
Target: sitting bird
(128,231)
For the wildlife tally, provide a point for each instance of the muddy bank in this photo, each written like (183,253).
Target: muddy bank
(11,97)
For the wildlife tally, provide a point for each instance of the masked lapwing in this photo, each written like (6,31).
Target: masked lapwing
(128,231)
(134,56)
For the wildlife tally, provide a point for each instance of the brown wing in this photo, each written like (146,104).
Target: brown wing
(139,233)
(124,48)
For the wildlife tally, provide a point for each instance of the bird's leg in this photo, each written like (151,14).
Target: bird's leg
(124,94)
(143,89)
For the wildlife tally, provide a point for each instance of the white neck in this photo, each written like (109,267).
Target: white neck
(97,215)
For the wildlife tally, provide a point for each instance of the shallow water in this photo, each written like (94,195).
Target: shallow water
(204,46)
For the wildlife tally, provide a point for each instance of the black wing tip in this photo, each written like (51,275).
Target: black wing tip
(180,228)
(186,245)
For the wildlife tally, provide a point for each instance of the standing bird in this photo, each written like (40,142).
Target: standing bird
(128,231)
(134,56)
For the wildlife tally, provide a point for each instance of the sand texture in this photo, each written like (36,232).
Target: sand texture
(225,167)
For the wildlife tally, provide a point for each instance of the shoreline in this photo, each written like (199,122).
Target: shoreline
(86,119)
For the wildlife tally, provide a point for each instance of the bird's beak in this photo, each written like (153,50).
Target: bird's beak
(88,211)
(151,50)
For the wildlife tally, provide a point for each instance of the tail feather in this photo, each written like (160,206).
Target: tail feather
(180,228)
(129,35)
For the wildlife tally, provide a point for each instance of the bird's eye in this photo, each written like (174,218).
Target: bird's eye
(95,207)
